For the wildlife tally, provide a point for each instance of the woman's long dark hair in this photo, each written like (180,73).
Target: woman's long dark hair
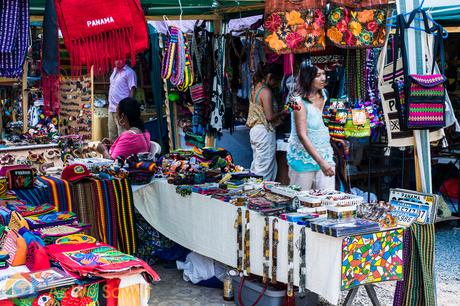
(264,69)
(307,73)
(132,111)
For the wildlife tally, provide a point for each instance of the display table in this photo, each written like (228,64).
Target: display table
(132,290)
(206,226)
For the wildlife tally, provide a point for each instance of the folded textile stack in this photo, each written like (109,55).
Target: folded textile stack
(98,259)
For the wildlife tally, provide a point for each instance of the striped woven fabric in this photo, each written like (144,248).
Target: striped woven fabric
(35,196)
(60,192)
(84,206)
(127,235)
(114,211)
(106,211)
(418,287)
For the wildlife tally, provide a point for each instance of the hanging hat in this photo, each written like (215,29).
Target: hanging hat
(75,172)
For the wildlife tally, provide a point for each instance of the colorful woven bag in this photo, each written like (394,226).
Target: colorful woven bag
(295,26)
(421,98)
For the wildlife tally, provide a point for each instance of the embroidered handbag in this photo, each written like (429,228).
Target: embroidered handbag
(16,247)
(37,258)
(420,98)
(358,124)
(19,176)
(295,26)
(350,28)
(17,221)
(360,3)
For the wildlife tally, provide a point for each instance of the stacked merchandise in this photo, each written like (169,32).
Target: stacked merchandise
(52,243)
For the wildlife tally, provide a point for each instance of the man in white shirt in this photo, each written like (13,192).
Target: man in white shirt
(123,83)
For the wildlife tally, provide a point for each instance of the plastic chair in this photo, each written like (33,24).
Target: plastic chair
(155,148)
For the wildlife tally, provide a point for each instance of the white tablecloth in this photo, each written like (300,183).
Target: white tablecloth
(206,226)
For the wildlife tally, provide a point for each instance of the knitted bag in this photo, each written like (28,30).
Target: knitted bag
(421,98)
(98,32)
(295,26)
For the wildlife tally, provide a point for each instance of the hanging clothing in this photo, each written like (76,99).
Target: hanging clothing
(218,105)
(50,61)
(14,36)
(263,144)
(318,133)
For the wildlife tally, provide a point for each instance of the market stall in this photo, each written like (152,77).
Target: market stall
(206,226)
(195,71)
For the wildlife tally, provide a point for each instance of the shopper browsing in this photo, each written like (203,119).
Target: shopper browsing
(262,119)
(135,139)
(310,155)
(123,82)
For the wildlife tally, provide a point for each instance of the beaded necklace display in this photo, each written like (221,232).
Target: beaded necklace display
(177,64)
(247,245)
(290,285)
(303,263)
(239,239)
(275,240)
(266,250)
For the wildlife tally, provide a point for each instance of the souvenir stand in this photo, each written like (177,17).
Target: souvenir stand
(236,246)
(66,236)
(296,243)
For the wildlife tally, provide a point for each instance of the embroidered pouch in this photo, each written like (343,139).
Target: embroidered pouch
(37,258)
(76,239)
(17,221)
(58,231)
(50,219)
(359,116)
(351,29)
(30,210)
(16,247)
(353,130)
(19,176)
(5,215)
(197,93)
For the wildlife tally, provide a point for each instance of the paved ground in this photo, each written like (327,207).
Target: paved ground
(172,290)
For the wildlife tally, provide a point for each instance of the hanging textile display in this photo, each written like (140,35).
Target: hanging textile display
(218,105)
(329,59)
(177,65)
(14,36)
(295,26)
(155,79)
(50,61)
(100,32)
